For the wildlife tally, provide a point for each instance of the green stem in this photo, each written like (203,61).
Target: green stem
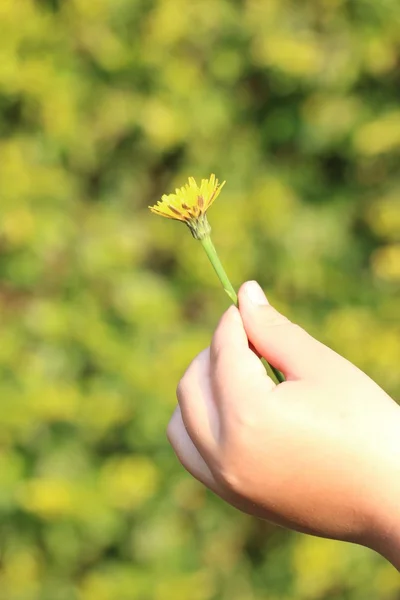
(229,289)
(219,269)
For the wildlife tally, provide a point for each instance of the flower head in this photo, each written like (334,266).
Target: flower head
(189,204)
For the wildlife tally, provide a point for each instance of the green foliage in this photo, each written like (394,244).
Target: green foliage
(104,106)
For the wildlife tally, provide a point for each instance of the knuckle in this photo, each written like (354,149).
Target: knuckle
(274,318)
(184,384)
(239,429)
(231,478)
(191,375)
(216,349)
(219,368)
(224,363)
(243,420)
(225,320)
(219,339)
(180,388)
(229,473)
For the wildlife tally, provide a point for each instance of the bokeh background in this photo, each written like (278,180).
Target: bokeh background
(104,106)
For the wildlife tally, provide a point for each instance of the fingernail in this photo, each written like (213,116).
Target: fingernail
(255,294)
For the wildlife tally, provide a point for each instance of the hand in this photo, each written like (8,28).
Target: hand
(319,453)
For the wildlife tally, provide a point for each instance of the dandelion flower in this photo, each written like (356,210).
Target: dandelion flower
(189,204)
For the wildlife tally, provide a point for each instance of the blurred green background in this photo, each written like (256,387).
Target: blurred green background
(104,106)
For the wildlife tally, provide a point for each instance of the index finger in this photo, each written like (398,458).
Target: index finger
(233,364)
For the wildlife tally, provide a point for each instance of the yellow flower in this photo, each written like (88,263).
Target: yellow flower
(190,203)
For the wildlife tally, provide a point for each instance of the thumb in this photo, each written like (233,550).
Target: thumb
(284,345)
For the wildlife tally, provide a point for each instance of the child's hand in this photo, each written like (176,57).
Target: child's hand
(319,453)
